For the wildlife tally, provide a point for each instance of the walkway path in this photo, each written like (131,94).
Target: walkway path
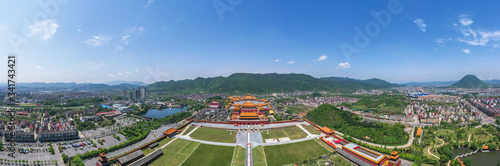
(428,150)
(243,145)
(249,159)
(192,130)
(168,143)
(469,138)
(303,129)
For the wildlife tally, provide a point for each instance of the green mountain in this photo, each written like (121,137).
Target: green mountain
(259,83)
(380,83)
(350,83)
(362,84)
(470,81)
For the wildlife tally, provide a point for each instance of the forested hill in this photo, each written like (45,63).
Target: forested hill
(470,81)
(258,83)
(374,82)
(349,123)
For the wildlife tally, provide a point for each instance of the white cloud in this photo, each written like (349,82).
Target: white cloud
(344,65)
(111,75)
(38,67)
(137,70)
(290,62)
(127,72)
(125,39)
(481,38)
(98,40)
(440,40)
(79,30)
(277,60)
(118,48)
(126,36)
(43,29)
(149,3)
(465,20)
(420,23)
(467,51)
(322,57)
(119,74)
(476,37)
(180,19)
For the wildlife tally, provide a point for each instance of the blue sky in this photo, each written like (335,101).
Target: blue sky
(100,41)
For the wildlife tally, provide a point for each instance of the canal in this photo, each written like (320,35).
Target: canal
(480,158)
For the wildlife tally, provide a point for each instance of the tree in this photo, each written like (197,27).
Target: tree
(468,161)
(473,146)
(65,157)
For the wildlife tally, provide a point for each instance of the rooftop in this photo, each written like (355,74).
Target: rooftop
(365,153)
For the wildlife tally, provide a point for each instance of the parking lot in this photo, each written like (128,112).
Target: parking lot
(34,155)
(109,141)
(101,131)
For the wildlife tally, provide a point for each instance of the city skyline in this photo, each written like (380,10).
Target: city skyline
(160,41)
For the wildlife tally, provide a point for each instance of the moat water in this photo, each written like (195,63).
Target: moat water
(163,112)
(480,158)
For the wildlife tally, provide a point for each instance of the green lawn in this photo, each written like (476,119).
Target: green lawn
(164,141)
(239,156)
(147,151)
(311,129)
(429,155)
(188,129)
(292,153)
(339,161)
(258,156)
(176,152)
(291,132)
(210,155)
(215,135)
(324,145)
(478,134)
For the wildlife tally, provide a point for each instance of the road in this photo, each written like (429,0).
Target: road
(415,123)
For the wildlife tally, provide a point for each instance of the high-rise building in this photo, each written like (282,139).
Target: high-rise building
(143,92)
(135,93)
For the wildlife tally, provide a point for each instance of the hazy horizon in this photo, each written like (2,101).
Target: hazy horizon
(150,41)
(249,73)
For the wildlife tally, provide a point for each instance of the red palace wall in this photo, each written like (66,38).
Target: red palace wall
(247,122)
(397,164)
(288,121)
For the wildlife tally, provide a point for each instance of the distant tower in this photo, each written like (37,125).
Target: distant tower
(143,92)
(137,93)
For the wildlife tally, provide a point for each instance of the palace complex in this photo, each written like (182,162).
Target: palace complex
(248,110)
